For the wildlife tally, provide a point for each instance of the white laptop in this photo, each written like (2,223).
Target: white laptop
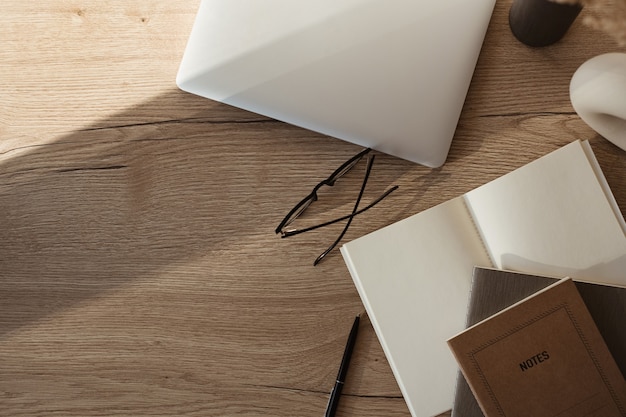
(387,74)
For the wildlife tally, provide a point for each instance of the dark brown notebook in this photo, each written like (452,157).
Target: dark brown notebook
(543,356)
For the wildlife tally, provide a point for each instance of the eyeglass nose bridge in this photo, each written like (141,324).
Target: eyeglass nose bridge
(329,182)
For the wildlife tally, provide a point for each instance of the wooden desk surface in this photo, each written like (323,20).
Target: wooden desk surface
(140,274)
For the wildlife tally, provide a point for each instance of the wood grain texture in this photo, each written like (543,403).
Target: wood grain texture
(140,275)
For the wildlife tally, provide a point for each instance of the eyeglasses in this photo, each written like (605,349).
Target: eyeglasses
(299,208)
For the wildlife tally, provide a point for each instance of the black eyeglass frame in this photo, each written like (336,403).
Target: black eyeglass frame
(299,208)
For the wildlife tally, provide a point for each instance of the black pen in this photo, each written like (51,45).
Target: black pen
(333,401)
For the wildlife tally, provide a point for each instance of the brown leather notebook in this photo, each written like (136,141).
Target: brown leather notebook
(542,356)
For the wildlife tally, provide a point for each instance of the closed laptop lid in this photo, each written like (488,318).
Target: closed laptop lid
(387,74)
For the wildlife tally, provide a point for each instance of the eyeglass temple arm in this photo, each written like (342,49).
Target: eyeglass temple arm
(370,162)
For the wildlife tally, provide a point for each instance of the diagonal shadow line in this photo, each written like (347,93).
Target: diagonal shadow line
(116,201)
(135,193)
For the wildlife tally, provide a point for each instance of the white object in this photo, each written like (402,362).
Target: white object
(598,94)
(555,216)
(390,75)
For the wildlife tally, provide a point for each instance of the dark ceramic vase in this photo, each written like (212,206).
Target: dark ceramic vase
(541,22)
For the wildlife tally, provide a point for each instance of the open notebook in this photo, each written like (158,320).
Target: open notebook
(389,75)
(554,216)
